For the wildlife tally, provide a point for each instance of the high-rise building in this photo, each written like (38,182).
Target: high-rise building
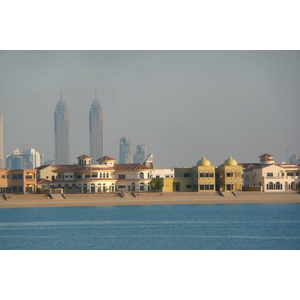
(1,143)
(140,156)
(24,159)
(295,159)
(125,156)
(61,133)
(96,130)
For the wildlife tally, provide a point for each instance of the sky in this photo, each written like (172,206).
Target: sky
(180,104)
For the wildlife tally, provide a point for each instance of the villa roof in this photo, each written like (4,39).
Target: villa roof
(131,167)
(80,168)
(266,155)
(83,156)
(105,158)
(44,181)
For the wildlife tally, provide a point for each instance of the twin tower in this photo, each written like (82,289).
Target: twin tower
(62,132)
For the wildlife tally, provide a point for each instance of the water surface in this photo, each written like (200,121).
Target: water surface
(186,227)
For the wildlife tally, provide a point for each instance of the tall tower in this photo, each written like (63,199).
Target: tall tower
(61,133)
(96,130)
(1,144)
(125,156)
(140,155)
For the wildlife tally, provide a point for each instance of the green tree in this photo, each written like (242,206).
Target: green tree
(157,183)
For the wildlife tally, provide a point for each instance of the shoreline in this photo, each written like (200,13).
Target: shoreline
(174,198)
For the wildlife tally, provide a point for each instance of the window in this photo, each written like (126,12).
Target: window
(211,187)
(278,186)
(201,187)
(297,174)
(201,175)
(15,177)
(28,177)
(122,176)
(87,176)
(211,174)
(78,176)
(270,174)
(67,176)
(141,175)
(229,175)
(186,175)
(94,175)
(188,186)
(290,174)
(3,176)
(270,186)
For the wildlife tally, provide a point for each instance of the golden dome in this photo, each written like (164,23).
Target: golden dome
(203,162)
(230,162)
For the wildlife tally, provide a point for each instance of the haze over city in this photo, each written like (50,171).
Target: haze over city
(180,104)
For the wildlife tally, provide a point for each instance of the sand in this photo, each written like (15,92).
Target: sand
(39,200)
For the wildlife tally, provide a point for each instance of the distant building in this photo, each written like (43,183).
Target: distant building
(149,161)
(24,159)
(61,133)
(295,159)
(125,156)
(1,144)
(96,130)
(140,156)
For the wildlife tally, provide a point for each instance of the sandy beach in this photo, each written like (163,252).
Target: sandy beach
(40,200)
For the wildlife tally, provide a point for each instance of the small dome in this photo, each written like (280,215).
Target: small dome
(230,162)
(203,162)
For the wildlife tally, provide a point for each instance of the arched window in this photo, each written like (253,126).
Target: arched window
(270,185)
(278,186)
(107,175)
(141,175)
(103,175)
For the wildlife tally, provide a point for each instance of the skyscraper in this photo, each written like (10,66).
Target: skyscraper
(125,156)
(140,156)
(61,133)
(96,130)
(24,159)
(1,144)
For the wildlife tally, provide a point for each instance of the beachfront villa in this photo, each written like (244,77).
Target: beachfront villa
(270,177)
(206,178)
(104,177)
(18,181)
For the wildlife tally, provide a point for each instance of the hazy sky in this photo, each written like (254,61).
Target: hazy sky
(181,104)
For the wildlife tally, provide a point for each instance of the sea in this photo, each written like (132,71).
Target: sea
(155,227)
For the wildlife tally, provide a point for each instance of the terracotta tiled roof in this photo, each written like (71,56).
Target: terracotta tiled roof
(131,167)
(266,155)
(44,181)
(105,158)
(45,166)
(80,168)
(83,156)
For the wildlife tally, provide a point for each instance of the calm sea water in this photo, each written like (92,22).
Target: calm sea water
(209,227)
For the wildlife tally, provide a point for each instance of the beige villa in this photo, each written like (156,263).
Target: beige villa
(271,177)
(104,177)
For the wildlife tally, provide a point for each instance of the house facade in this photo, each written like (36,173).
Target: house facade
(18,181)
(104,177)
(205,178)
(271,177)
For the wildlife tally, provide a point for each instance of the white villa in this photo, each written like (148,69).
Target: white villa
(104,177)
(271,177)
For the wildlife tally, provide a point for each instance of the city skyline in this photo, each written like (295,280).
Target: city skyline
(182,103)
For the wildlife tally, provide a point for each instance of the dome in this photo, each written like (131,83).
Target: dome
(230,162)
(203,162)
